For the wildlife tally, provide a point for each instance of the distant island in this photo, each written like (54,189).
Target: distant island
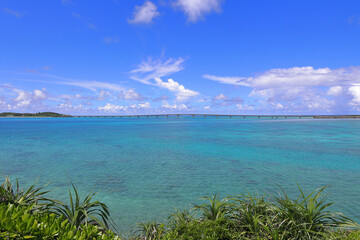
(39,114)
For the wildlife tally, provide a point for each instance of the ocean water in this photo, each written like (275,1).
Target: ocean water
(145,168)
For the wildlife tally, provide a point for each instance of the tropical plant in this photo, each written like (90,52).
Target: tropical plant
(308,215)
(150,230)
(79,213)
(179,217)
(15,195)
(215,209)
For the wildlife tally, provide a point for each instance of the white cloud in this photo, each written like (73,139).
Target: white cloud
(166,105)
(144,13)
(112,108)
(26,99)
(130,94)
(151,71)
(144,105)
(334,91)
(103,95)
(38,94)
(355,92)
(227,80)
(196,9)
(220,97)
(206,107)
(110,39)
(12,12)
(295,77)
(300,87)
(94,86)
(244,107)
(180,91)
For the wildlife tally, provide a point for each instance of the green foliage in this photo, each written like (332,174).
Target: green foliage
(39,114)
(260,217)
(215,209)
(27,214)
(221,229)
(179,218)
(150,230)
(19,222)
(15,195)
(79,213)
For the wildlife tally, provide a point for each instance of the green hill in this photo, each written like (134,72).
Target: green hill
(39,114)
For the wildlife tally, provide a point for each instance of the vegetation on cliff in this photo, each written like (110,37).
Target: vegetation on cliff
(39,114)
(28,214)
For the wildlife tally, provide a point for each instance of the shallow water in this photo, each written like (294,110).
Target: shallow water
(144,168)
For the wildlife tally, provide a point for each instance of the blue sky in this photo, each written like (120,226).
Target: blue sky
(166,56)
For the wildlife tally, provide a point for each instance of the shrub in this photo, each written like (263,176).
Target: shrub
(19,222)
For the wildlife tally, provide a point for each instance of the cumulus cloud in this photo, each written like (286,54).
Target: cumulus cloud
(112,108)
(144,13)
(223,100)
(166,105)
(301,86)
(180,91)
(355,92)
(130,94)
(25,99)
(335,90)
(244,107)
(220,97)
(197,9)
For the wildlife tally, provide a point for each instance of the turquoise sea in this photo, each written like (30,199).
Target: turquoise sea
(144,168)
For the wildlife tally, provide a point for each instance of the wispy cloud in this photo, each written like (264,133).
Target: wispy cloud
(67,2)
(12,12)
(197,9)
(144,13)
(110,39)
(94,86)
(86,21)
(151,69)
(227,80)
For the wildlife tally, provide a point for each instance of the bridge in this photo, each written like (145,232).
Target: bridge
(217,116)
